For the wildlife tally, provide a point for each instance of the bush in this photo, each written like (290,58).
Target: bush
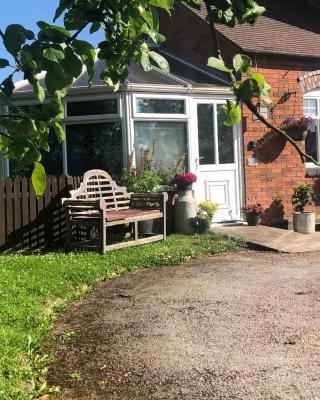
(303,195)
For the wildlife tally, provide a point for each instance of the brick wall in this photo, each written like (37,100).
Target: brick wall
(280,167)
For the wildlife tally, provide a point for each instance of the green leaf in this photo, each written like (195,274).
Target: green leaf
(52,110)
(166,4)
(4,63)
(15,36)
(155,36)
(160,61)
(57,78)
(38,179)
(264,94)
(72,63)
(74,19)
(4,99)
(39,92)
(58,130)
(259,78)
(7,86)
(63,6)
(218,64)
(230,114)
(87,55)
(248,89)
(145,61)
(242,63)
(95,27)
(54,55)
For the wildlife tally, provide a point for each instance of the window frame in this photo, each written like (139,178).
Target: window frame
(159,115)
(314,95)
(134,117)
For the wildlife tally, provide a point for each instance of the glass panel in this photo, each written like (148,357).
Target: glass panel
(94,146)
(167,139)
(97,107)
(310,107)
(51,161)
(311,142)
(225,140)
(206,134)
(160,106)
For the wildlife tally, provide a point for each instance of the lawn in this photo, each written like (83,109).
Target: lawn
(35,288)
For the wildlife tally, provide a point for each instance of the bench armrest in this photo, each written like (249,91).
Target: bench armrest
(79,206)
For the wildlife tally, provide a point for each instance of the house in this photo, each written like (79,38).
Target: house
(177,113)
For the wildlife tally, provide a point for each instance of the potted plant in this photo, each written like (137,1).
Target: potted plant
(253,213)
(206,211)
(142,178)
(303,221)
(185,181)
(297,129)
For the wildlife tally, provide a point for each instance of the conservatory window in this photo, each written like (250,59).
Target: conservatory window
(160,106)
(92,107)
(167,139)
(94,146)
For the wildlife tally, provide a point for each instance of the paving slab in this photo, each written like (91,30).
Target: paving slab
(282,240)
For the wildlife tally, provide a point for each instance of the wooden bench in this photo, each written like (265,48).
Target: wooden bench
(99,202)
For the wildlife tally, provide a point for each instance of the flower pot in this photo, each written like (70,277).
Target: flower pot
(145,227)
(253,219)
(304,222)
(297,135)
(203,228)
(184,187)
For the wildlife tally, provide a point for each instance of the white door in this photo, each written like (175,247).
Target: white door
(215,159)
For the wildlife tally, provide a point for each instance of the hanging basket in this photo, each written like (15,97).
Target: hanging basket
(297,135)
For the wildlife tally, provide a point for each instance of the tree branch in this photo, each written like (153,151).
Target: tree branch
(213,30)
(304,156)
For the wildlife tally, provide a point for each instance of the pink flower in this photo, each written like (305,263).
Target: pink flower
(185,179)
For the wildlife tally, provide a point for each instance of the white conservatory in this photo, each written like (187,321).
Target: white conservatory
(174,114)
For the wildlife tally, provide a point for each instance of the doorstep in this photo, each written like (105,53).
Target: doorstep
(276,239)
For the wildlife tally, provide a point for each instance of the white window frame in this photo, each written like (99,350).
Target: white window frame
(314,95)
(158,117)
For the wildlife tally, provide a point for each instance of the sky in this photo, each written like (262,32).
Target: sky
(27,13)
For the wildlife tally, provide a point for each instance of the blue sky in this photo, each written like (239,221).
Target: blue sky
(27,13)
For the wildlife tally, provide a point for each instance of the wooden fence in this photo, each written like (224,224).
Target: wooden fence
(30,223)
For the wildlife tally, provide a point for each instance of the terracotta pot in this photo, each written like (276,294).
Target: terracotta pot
(297,135)
(253,219)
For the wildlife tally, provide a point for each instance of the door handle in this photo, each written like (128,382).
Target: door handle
(197,161)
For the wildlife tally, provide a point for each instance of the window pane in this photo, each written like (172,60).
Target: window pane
(167,139)
(97,107)
(310,107)
(225,139)
(311,142)
(51,161)
(160,106)
(94,146)
(206,134)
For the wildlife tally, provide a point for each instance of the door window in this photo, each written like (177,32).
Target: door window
(216,141)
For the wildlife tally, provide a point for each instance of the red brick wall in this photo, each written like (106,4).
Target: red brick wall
(280,167)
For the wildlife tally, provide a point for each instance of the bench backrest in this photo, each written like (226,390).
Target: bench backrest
(98,184)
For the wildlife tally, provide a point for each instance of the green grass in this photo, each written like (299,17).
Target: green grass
(34,288)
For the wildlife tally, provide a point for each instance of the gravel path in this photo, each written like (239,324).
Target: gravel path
(237,326)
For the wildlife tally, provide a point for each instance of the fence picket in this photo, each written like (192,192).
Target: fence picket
(30,223)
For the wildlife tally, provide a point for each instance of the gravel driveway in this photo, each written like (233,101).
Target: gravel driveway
(236,326)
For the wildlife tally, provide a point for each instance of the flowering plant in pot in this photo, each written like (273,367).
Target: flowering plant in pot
(303,221)
(253,212)
(205,213)
(297,129)
(185,181)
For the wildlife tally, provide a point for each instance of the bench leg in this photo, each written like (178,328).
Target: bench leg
(68,233)
(164,227)
(103,237)
(136,232)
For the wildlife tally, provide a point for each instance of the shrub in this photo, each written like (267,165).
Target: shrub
(303,195)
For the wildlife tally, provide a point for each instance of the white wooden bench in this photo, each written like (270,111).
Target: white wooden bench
(99,202)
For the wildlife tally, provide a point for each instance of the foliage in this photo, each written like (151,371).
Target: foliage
(303,195)
(34,288)
(58,51)
(209,207)
(302,124)
(253,209)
